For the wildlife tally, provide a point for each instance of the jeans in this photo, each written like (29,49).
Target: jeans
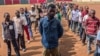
(30,31)
(96,51)
(75,27)
(71,24)
(80,30)
(90,39)
(14,45)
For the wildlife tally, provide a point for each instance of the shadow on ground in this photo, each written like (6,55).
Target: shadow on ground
(34,47)
(66,45)
(31,53)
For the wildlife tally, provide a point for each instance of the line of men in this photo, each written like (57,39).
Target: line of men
(49,27)
(80,21)
(84,23)
(13,29)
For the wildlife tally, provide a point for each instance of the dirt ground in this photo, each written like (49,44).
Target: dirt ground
(69,44)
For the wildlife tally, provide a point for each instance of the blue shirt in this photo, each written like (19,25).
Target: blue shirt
(51,31)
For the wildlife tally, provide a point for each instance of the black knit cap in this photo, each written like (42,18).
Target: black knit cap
(52,6)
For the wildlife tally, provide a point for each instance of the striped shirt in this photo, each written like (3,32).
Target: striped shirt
(92,26)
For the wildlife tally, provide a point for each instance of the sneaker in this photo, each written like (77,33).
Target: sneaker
(28,41)
(23,49)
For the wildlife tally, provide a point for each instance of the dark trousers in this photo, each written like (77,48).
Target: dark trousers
(69,23)
(21,41)
(83,35)
(14,45)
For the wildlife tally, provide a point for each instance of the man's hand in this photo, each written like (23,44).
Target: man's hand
(5,40)
(98,43)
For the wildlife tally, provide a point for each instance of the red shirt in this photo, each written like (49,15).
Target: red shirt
(85,12)
(92,26)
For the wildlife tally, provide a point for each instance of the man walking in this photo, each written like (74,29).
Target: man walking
(91,25)
(75,18)
(19,30)
(8,34)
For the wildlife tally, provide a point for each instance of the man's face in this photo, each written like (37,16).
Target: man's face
(81,8)
(92,14)
(33,8)
(86,8)
(51,12)
(75,7)
(7,17)
(26,9)
(21,10)
(17,14)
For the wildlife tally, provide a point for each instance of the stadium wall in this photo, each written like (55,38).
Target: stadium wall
(8,2)
(86,0)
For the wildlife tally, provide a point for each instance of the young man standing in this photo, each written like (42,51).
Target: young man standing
(75,18)
(33,16)
(8,34)
(51,30)
(97,51)
(80,22)
(85,15)
(91,25)
(22,14)
(27,15)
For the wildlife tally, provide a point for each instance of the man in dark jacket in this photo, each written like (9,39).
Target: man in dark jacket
(8,34)
(51,30)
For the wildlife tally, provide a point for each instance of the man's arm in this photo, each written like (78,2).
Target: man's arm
(2,32)
(40,27)
(60,30)
(98,38)
(85,24)
(16,35)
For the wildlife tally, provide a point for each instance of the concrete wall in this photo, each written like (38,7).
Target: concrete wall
(1,2)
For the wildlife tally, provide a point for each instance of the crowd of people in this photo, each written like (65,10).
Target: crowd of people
(47,19)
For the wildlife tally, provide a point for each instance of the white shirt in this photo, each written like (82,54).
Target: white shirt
(24,19)
(18,25)
(80,17)
(33,13)
(85,17)
(75,15)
